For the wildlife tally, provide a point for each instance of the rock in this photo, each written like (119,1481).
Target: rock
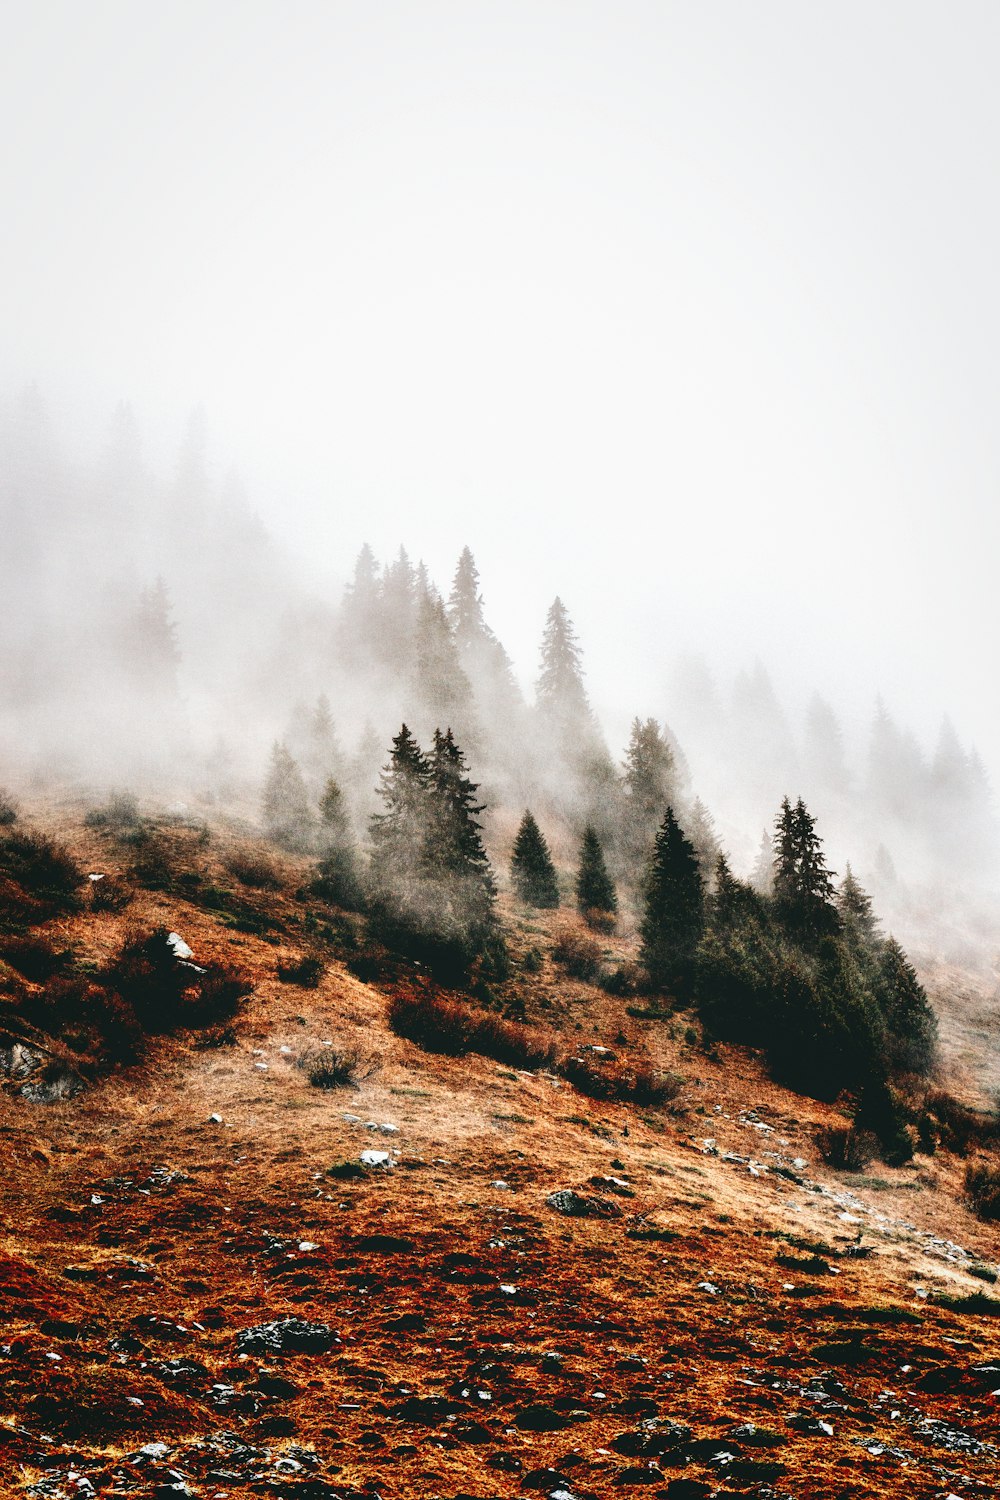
(215,1119)
(179,946)
(540,1419)
(375,1159)
(56,1083)
(286,1336)
(577,1206)
(276,1387)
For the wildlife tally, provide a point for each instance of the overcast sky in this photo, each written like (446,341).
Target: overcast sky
(687,311)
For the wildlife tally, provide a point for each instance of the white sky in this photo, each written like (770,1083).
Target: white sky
(688,312)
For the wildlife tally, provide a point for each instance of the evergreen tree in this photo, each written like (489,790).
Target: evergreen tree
(151,650)
(465,604)
(359,612)
(456,845)
(910,1021)
(701,832)
(730,897)
(532,872)
(443,690)
(288,818)
(649,783)
(823,750)
(399,833)
(561,696)
(338,866)
(595,890)
(674,916)
(762,878)
(857,915)
(803,887)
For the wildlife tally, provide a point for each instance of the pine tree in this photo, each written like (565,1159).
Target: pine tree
(399,833)
(729,896)
(288,818)
(910,1021)
(443,690)
(465,604)
(803,885)
(561,696)
(701,832)
(359,612)
(595,890)
(532,872)
(456,846)
(151,650)
(762,878)
(649,783)
(857,915)
(338,866)
(675,906)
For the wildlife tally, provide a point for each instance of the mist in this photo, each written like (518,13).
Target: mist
(686,315)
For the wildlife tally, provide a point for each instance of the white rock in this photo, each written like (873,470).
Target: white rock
(180,947)
(305,1245)
(96,877)
(261,1066)
(215,1119)
(376,1159)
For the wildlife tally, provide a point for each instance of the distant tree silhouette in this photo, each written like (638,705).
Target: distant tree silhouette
(674,916)
(910,1021)
(701,832)
(338,880)
(857,915)
(443,690)
(762,878)
(561,696)
(649,784)
(533,874)
(287,814)
(595,890)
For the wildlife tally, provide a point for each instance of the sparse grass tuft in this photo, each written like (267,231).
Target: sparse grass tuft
(119,815)
(337,1067)
(848,1149)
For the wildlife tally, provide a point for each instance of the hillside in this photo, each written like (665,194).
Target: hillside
(455,1277)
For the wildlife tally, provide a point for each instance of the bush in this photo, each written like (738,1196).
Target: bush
(43,869)
(623,981)
(119,815)
(8,809)
(154,866)
(599,920)
(337,1067)
(960,1127)
(90,1019)
(439,1024)
(164,992)
(577,953)
(34,957)
(306,970)
(110,895)
(847,1148)
(982,1187)
(532,961)
(632,1081)
(255,869)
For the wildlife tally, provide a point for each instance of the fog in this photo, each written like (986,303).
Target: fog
(687,314)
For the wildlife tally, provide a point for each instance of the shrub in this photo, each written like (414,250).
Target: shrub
(982,1187)
(154,866)
(43,869)
(577,953)
(337,1067)
(306,970)
(92,1020)
(164,992)
(8,809)
(623,981)
(532,961)
(439,1024)
(119,815)
(34,957)
(254,868)
(960,1127)
(110,895)
(631,1081)
(599,920)
(847,1148)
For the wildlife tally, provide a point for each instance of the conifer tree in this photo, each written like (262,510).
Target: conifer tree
(399,833)
(288,817)
(561,695)
(359,612)
(674,917)
(649,783)
(701,832)
(465,603)
(857,915)
(728,897)
(532,872)
(595,890)
(803,885)
(910,1021)
(443,689)
(762,878)
(338,866)
(456,844)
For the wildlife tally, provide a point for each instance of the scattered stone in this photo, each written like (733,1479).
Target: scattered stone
(577,1206)
(287,1336)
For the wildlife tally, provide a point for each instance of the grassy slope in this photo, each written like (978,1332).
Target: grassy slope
(141,1293)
